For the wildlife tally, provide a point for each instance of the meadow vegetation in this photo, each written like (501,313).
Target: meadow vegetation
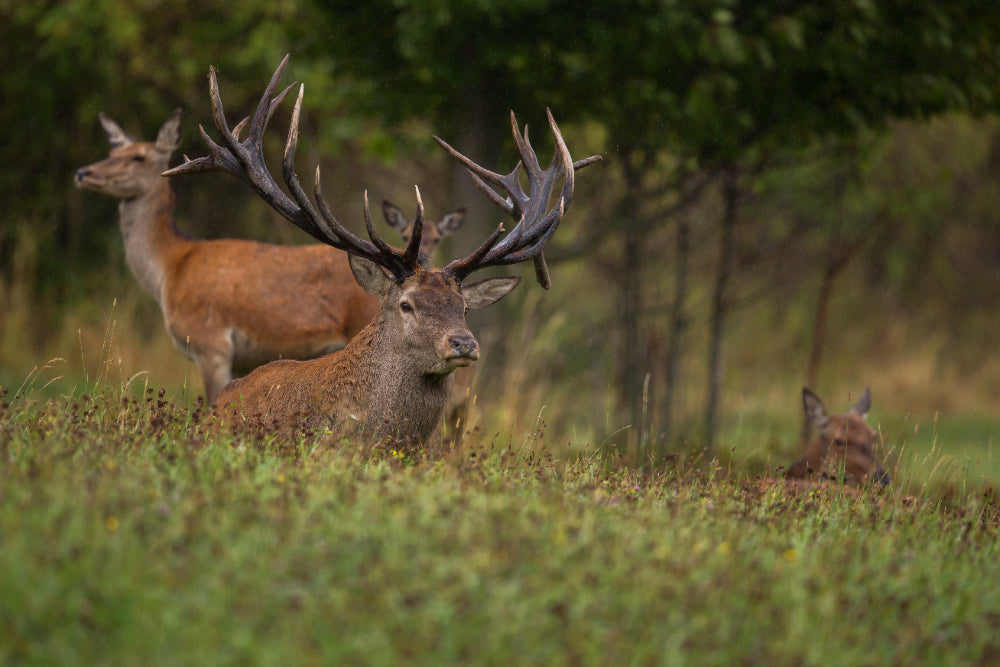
(131,533)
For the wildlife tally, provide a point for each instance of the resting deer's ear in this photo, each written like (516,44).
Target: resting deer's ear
(864,404)
(169,137)
(487,292)
(370,275)
(117,137)
(814,409)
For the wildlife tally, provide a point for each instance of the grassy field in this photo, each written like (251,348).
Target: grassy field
(130,536)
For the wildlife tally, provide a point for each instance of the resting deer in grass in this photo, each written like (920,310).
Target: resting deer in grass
(392,379)
(231,304)
(844,447)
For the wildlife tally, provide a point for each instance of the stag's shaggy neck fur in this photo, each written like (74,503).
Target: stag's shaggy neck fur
(405,401)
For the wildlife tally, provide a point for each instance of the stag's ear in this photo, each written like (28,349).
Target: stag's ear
(815,411)
(864,404)
(370,275)
(169,137)
(117,137)
(394,216)
(487,292)
(451,222)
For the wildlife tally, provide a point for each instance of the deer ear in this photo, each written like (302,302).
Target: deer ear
(814,409)
(369,275)
(169,137)
(394,216)
(451,222)
(487,292)
(117,137)
(864,404)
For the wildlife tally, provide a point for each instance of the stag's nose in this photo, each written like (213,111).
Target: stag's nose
(81,174)
(464,345)
(884,479)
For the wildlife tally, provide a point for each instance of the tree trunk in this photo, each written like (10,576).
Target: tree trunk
(632,347)
(633,364)
(727,246)
(839,253)
(678,324)
(480,137)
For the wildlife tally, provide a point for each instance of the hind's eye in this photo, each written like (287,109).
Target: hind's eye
(138,158)
(406,307)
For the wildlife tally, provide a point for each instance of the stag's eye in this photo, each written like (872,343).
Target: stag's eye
(406,307)
(139,158)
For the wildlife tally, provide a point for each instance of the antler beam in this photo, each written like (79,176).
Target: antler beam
(245,160)
(535,224)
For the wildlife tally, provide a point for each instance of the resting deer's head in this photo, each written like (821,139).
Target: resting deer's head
(844,447)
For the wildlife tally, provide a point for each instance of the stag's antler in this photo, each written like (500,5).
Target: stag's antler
(535,226)
(245,160)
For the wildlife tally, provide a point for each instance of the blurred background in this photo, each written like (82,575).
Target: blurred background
(792,194)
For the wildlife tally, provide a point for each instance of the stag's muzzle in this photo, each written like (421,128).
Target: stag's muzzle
(463,347)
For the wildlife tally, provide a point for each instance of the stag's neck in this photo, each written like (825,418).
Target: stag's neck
(150,236)
(396,399)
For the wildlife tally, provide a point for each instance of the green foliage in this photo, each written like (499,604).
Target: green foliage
(132,535)
(710,78)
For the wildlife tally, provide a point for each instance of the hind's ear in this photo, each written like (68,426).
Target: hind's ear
(169,137)
(117,137)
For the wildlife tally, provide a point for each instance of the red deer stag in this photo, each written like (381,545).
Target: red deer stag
(392,379)
(843,449)
(230,304)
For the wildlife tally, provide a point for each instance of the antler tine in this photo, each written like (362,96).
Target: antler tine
(412,254)
(263,112)
(481,175)
(586,162)
(270,112)
(392,259)
(524,148)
